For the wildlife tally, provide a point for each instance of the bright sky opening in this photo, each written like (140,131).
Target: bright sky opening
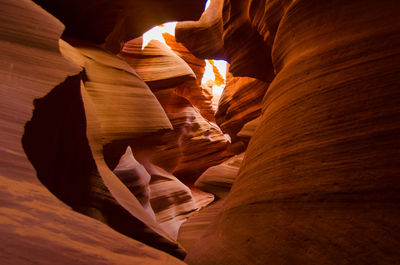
(215,75)
(207,4)
(156,33)
(215,71)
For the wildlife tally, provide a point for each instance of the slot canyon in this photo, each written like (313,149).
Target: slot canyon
(226,132)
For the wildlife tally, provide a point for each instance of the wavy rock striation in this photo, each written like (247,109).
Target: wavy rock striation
(240,103)
(319,183)
(58,140)
(193,90)
(156,64)
(225,31)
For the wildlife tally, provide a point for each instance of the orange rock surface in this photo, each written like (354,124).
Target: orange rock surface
(240,103)
(36,227)
(319,183)
(156,64)
(109,153)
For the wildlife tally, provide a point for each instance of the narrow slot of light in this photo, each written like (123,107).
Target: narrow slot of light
(156,33)
(209,78)
(207,4)
(208,73)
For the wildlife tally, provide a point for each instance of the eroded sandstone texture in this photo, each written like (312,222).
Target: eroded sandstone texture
(61,143)
(320,180)
(107,148)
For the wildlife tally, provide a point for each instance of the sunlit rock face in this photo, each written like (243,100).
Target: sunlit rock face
(218,179)
(319,183)
(225,31)
(193,90)
(156,64)
(85,182)
(136,179)
(117,91)
(194,145)
(109,144)
(62,141)
(240,103)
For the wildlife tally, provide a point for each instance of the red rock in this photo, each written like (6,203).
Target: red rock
(36,227)
(117,91)
(319,183)
(218,179)
(225,31)
(193,90)
(249,128)
(240,103)
(156,64)
(171,200)
(194,145)
(136,179)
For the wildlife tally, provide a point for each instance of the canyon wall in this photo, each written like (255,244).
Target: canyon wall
(319,183)
(55,121)
(108,147)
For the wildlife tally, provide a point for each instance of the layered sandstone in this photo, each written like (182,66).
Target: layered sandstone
(156,64)
(225,31)
(240,103)
(60,140)
(319,183)
(194,145)
(218,179)
(193,90)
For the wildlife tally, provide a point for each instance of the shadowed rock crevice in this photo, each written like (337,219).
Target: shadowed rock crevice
(56,144)
(55,141)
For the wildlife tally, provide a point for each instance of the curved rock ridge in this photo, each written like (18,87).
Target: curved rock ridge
(117,91)
(240,103)
(204,38)
(116,122)
(136,179)
(319,183)
(194,145)
(156,64)
(193,229)
(116,21)
(249,128)
(218,179)
(36,228)
(162,195)
(226,28)
(171,200)
(193,90)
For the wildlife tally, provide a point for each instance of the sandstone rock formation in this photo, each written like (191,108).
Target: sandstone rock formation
(249,128)
(218,179)
(192,89)
(319,183)
(225,31)
(117,91)
(35,226)
(136,179)
(240,103)
(194,145)
(156,64)
(313,95)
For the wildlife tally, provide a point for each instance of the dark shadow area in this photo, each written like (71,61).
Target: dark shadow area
(55,142)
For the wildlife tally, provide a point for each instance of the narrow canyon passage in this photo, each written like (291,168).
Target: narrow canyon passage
(201,133)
